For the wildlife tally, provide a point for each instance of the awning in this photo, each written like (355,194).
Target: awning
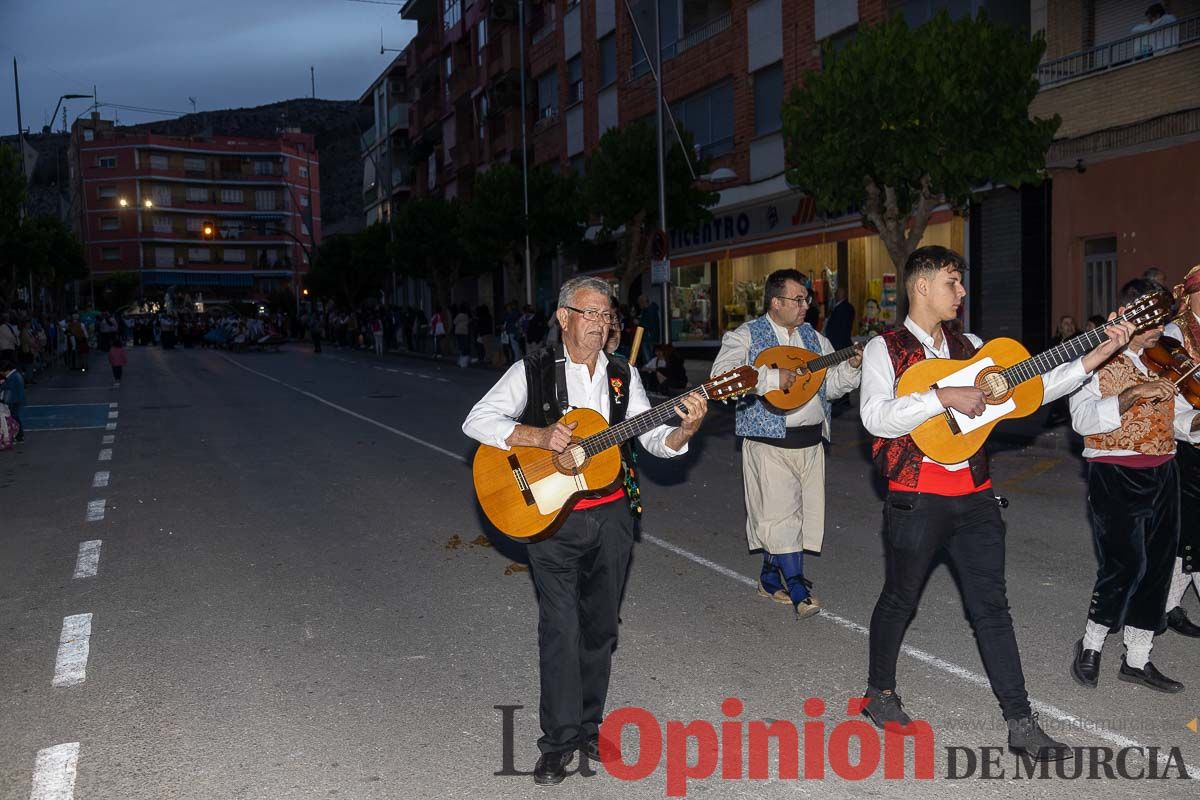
(197,278)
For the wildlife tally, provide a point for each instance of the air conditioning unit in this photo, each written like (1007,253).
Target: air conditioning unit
(503,11)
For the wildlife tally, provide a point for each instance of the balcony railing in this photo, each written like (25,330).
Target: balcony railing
(368,138)
(1126,50)
(702,34)
(398,115)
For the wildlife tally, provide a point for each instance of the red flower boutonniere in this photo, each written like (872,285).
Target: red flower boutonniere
(616,385)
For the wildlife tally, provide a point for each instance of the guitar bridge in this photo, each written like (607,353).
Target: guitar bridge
(519,476)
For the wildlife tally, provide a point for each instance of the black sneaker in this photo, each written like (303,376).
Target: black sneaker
(1026,736)
(551,768)
(885,707)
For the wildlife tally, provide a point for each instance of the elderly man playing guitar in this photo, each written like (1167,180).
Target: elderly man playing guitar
(580,570)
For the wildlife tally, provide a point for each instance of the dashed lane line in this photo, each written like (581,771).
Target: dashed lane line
(105,454)
(88,561)
(95,510)
(70,667)
(54,772)
(100,479)
(107,439)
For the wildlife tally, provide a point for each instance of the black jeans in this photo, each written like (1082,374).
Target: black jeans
(917,527)
(579,573)
(1135,529)
(1188,458)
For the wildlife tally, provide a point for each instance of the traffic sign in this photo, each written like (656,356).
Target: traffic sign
(660,271)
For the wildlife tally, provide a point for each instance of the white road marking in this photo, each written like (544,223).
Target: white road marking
(54,772)
(444,380)
(89,559)
(70,668)
(410,374)
(105,454)
(100,479)
(95,511)
(962,673)
(107,439)
(66,428)
(389,369)
(113,414)
(112,405)
(111,426)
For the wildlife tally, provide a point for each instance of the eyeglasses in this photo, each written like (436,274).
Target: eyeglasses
(800,301)
(594,314)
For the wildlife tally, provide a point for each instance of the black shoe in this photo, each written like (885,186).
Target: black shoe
(1085,666)
(551,768)
(591,749)
(1026,736)
(883,708)
(1149,677)
(1178,621)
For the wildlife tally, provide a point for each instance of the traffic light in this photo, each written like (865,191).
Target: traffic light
(208,230)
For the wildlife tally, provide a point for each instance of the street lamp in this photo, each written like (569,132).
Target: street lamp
(46,128)
(123,203)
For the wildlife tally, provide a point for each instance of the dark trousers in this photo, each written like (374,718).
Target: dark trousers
(579,573)
(1135,530)
(1188,457)
(117,372)
(917,527)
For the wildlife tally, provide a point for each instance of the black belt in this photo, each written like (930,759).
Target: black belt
(794,438)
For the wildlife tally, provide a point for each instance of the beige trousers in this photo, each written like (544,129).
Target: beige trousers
(785,497)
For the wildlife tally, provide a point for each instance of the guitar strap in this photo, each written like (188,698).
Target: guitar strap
(560,380)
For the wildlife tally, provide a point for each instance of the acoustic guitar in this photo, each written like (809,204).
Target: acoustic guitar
(1011,381)
(527,492)
(810,370)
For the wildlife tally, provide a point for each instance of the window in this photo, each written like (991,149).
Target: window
(161,196)
(575,80)
(163,225)
(164,257)
(303,229)
(451,13)
(709,117)
(1099,276)
(263,167)
(106,162)
(699,13)
(159,161)
(111,254)
(303,171)
(106,192)
(547,87)
(304,201)
(232,196)
(196,194)
(88,134)
(768,99)
(234,255)
(109,223)
(194,164)
(608,60)
(264,200)
(198,254)
(480,40)
(195,224)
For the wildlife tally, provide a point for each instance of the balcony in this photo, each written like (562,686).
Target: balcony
(367,140)
(1127,50)
(398,115)
(702,34)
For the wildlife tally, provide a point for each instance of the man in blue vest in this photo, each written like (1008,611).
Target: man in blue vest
(783,461)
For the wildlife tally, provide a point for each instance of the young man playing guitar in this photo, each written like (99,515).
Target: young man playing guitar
(931,506)
(579,571)
(783,460)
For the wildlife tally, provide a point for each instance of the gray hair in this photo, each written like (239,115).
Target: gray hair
(581,283)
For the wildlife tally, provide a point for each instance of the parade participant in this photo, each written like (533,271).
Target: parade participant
(932,507)
(1130,421)
(579,571)
(783,458)
(1186,329)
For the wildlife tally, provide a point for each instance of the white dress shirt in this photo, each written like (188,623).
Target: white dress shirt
(1092,414)
(839,380)
(890,417)
(494,417)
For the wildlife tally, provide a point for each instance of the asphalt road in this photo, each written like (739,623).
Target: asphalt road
(296,597)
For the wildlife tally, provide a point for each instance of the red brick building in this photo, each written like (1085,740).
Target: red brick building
(225,215)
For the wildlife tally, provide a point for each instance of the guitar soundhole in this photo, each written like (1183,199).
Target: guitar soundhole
(570,461)
(993,385)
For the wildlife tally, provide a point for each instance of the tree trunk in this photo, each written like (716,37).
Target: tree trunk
(637,255)
(899,231)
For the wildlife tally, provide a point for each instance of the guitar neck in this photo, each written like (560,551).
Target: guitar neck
(833,359)
(636,426)
(1060,354)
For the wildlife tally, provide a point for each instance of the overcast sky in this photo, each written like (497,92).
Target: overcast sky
(158,53)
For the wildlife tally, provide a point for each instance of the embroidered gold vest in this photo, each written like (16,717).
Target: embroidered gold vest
(1146,428)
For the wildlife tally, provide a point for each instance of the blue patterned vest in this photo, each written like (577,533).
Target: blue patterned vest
(754,416)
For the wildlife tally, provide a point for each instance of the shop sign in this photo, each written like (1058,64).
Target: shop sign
(790,214)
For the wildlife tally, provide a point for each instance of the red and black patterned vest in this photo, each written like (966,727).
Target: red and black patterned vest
(899,460)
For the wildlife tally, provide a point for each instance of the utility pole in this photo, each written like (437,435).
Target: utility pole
(662,191)
(312,77)
(21,149)
(524,152)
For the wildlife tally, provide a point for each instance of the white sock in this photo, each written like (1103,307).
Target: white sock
(1180,581)
(1094,635)
(1196,580)
(1138,643)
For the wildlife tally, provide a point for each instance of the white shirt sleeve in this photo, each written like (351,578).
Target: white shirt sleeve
(654,440)
(882,413)
(1062,380)
(840,379)
(1184,416)
(735,352)
(1092,414)
(494,417)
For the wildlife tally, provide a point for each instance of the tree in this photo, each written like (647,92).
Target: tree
(493,222)
(902,119)
(621,189)
(350,267)
(12,198)
(428,244)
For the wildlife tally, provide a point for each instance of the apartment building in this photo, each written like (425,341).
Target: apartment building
(727,65)
(233,216)
(387,171)
(1126,161)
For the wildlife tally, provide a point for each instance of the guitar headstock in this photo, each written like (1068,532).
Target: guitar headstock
(732,384)
(1149,310)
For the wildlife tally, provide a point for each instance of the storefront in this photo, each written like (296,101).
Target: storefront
(719,270)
